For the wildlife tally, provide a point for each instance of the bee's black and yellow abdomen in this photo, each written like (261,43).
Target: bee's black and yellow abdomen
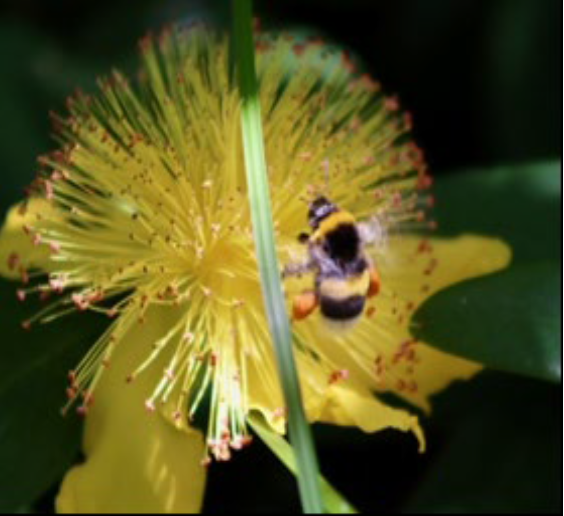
(343,298)
(342,309)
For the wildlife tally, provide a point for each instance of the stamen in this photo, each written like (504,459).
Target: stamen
(148,211)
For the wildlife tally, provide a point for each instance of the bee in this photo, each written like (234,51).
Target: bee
(344,275)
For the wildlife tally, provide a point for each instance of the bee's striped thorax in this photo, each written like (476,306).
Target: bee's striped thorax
(331,223)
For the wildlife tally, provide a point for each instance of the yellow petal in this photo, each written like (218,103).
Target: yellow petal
(382,335)
(435,371)
(16,247)
(347,407)
(405,269)
(136,461)
(457,260)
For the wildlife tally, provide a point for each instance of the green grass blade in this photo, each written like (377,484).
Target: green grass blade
(255,164)
(334,501)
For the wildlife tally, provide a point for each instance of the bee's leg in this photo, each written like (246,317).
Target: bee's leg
(297,269)
(304,304)
(374,287)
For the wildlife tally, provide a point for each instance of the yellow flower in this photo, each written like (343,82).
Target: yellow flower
(143,215)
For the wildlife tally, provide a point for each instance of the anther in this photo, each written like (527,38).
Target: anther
(57,284)
(392,103)
(13,261)
(338,376)
(188,338)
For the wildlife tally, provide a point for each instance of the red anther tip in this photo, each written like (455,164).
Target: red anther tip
(13,261)
(299,49)
(392,104)
(425,181)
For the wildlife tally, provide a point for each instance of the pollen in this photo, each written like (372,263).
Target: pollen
(150,211)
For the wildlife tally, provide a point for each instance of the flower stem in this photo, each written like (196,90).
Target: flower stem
(257,180)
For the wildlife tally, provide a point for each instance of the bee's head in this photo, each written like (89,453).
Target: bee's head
(319,209)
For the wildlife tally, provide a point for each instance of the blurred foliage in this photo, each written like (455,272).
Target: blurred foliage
(481,78)
(37,445)
(500,449)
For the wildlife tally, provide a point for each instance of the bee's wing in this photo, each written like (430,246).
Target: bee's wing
(373,232)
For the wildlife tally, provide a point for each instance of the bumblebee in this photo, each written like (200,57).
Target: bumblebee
(344,275)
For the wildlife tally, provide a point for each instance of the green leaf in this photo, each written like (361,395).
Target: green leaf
(37,445)
(511,320)
(263,229)
(334,502)
(520,204)
(494,447)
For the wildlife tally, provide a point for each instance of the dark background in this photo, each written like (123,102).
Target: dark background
(482,80)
